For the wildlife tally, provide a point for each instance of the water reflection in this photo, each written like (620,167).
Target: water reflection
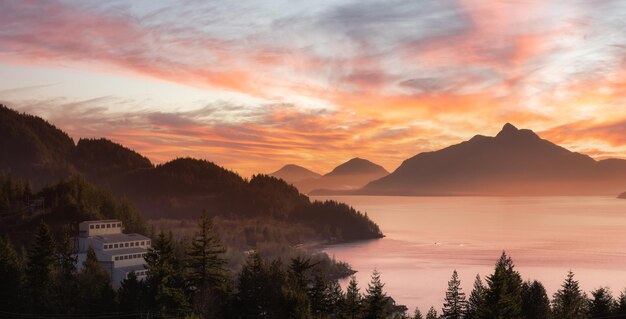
(429,237)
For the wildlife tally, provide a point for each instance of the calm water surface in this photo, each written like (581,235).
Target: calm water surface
(429,237)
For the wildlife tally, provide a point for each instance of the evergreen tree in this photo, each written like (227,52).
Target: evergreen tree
(620,308)
(353,303)
(476,299)
(66,279)
(375,300)
(601,304)
(336,299)
(251,301)
(95,294)
(318,296)
(569,301)
(535,301)
(455,305)
(432,313)
(40,271)
(503,297)
(417,314)
(11,278)
(261,289)
(206,270)
(132,294)
(299,303)
(164,287)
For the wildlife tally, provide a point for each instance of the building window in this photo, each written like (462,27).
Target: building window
(148,243)
(108,225)
(132,244)
(126,245)
(143,243)
(91,226)
(98,226)
(117,258)
(119,224)
(106,246)
(115,246)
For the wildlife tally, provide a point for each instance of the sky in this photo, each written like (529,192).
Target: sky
(254,85)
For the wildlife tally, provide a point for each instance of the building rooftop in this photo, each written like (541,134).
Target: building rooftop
(124,251)
(116,238)
(101,221)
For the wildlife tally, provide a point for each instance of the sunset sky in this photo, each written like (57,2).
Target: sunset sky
(253,85)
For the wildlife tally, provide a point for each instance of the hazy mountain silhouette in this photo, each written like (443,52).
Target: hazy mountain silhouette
(514,162)
(357,166)
(622,195)
(350,175)
(293,173)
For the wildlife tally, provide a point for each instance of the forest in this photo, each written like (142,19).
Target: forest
(93,175)
(192,280)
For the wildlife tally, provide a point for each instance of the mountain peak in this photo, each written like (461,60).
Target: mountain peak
(293,173)
(358,166)
(507,130)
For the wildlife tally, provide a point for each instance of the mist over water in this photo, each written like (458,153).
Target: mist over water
(428,237)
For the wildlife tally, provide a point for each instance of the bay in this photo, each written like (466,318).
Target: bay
(429,237)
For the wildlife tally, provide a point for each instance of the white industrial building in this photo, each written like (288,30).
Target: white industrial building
(119,253)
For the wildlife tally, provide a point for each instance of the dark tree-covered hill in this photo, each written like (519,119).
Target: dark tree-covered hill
(100,158)
(33,148)
(41,154)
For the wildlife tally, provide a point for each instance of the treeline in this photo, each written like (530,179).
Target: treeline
(182,282)
(505,295)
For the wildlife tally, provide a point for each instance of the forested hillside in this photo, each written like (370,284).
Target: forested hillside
(100,158)
(41,155)
(62,206)
(33,148)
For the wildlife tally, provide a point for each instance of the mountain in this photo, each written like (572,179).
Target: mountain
(622,195)
(350,175)
(41,154)
(293,173)
(514,162)
(357,166)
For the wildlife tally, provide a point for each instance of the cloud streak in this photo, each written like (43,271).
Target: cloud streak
(330,80)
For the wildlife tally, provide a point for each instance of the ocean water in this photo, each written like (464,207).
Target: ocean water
(429,237)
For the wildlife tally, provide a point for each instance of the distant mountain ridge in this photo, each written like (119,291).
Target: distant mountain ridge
(357,166)
(622,195)
(293,173)
(514,162)
(348,176)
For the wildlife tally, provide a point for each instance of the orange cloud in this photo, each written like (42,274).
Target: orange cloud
(364,79)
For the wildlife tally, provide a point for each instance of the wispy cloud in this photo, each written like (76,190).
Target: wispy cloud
(331,79)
